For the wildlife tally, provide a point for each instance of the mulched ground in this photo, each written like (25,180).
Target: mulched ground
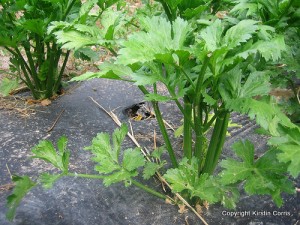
(92,203)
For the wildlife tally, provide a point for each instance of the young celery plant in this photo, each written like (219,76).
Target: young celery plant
(34,52)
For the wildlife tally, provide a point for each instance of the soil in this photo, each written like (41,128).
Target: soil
(83,201)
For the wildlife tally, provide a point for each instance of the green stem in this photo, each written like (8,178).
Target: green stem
(113,51)
(39,50)
(216,143)
(70,5)
(180,106)
(29,82)
(147,189)
(207,125)
(62,70)
(24,68)
(198,120)
(134,182)
(34,74)
(221,141)
(167,10)
(187,131)
(188,78)
(90,176)
(162,129)
(19,55)
(50,77)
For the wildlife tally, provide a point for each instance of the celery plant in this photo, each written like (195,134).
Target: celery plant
(215,70)
(35,54)
(210,67)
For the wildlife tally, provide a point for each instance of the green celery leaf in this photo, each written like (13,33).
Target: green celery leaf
(190,13)
(76,40)
(234,171)
(62,144)
(157,153)
(106,165)
(37,26)
(118,137)
(288,135)
(264,176)
(111,22)
(185,177)
(46,151)
(56,25)
(150,169)
(93,31)
(159,38)
(89,75)
(290,154)
(239,97)
(157,97)
(256,84)
(239,33)
(244,150)
(104,154)
(109,71)
(86,54)
(47,180)
(142,78)
(7,85)
(208,99)
(178,131)
(86,7)
(207,189)
(23,186)
(133,159)
(245,6)
(230,196)
(107,156)
(212,36)
(269,49)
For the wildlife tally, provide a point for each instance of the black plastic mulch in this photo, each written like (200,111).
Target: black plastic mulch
(77,201)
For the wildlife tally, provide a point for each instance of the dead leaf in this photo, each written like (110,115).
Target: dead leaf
(32,101)
(206,204)
(168,201)
(6,187)
(221,14)
(182,209)
(45,102)
(198,208)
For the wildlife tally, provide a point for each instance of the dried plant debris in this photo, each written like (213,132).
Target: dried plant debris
(17,105)
(6,187)
(139,111)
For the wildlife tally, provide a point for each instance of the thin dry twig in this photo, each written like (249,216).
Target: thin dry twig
(18,90)
(56,120)
(186,220)
(169,125)
(8,171)
(131,128)
(117,121)
(154,139)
